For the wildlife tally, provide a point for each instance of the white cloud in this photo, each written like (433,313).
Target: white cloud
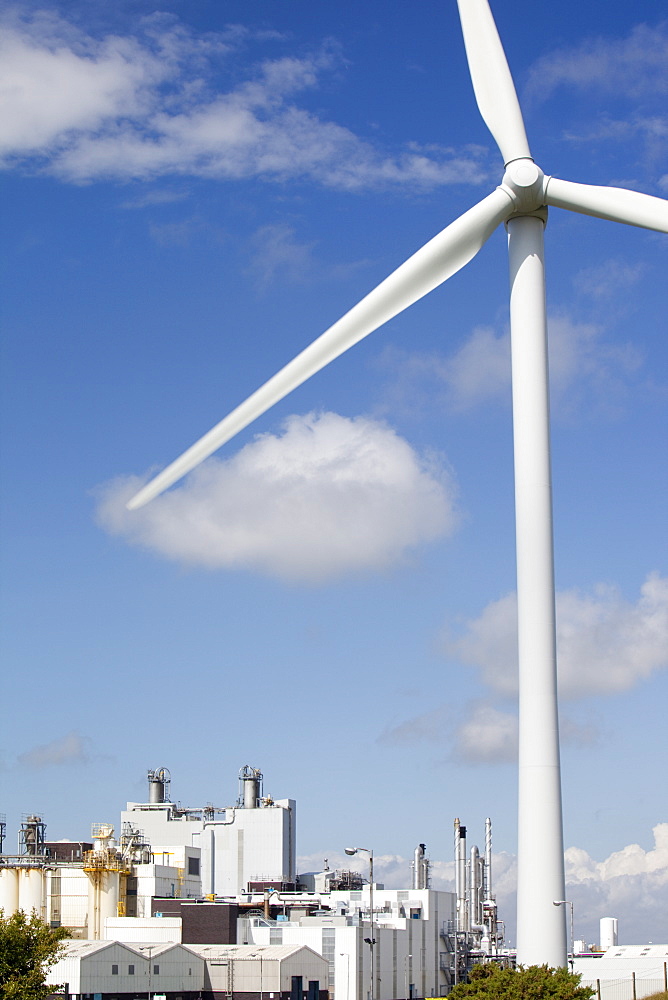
(70,749)
(488,734)
(633,67)
(434,726)
(329,496)
(276,252)
(479,732)
(585,370)
(605,643)
(630,884)
(145,107)
(610,279)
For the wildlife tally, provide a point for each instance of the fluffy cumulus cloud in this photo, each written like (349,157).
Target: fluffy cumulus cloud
(630,884)
(605,643)
(330,495)
(153,105)
(69,749)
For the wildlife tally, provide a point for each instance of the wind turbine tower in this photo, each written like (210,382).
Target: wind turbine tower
(520,202)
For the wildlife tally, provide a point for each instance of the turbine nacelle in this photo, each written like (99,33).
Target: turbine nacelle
(526,186)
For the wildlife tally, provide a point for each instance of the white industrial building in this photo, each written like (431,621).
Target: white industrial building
(249,844)
(412,929)
(112,878)
(220,882)
(278,971)
(625,972)
(111,969)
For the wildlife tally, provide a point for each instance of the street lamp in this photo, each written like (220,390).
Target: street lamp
(150,968)
(344,954)
(370,940)
(567,902)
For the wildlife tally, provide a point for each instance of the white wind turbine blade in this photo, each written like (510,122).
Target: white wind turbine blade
(436,261)
(492,83)
(616,204)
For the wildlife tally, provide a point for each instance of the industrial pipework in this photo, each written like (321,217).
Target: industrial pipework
(32,835)
(420,868)
(478,930)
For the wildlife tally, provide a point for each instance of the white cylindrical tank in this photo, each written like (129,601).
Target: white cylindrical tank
(608,933)
(103,896)
(9,890)
(31,890)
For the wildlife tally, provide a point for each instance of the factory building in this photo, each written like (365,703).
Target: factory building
(219,884)
(624,972)
(411,932)
(248,845)
(111,970)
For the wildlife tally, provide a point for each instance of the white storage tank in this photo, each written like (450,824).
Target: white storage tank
(9,890)
(31,890)
(103,896)
(608,933)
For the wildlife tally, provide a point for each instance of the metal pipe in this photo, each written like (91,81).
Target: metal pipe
(488,859)
(463,914)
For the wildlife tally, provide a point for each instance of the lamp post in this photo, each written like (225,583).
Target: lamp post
(567,902)
(344,954)
(150,968)
(370,940)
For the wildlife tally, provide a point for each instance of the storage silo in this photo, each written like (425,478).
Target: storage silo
(31,890)
(103,896)
(608,933)
(9,890)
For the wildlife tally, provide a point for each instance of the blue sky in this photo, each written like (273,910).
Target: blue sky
(191,195)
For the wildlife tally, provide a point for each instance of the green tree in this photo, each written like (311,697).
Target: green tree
(535,982)
(28,948)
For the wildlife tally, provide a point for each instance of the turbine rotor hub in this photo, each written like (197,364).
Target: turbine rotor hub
(524,182)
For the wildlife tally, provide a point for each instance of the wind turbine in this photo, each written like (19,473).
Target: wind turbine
(520,201)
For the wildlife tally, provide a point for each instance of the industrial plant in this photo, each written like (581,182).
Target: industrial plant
(206,901)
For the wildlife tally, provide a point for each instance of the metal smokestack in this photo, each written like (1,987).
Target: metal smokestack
(250,790)
(488,860)
(460,876)
(158,785)
(420,868)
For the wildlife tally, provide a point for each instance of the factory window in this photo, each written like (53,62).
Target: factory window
(131,970)
(156,970)
(114,970)
(193,866)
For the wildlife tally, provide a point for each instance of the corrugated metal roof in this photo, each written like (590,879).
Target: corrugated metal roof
(74,949)
(243,952)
